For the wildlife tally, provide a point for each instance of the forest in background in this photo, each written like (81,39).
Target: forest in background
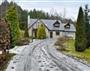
(22,14)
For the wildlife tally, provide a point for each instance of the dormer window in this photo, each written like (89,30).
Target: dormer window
(56,24)
(67,26)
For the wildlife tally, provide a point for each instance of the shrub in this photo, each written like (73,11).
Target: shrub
(41,33)
(24,41)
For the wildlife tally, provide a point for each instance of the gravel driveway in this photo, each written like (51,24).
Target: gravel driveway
(42,56)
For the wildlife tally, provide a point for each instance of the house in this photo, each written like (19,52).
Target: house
(54,28)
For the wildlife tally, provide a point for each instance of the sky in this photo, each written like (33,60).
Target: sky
(65,8)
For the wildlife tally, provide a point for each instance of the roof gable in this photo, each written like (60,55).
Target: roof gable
(67,26)
(56,24)
(32,22)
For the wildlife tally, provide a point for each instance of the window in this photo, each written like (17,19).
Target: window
(57,32)
(67,26)
(56,24)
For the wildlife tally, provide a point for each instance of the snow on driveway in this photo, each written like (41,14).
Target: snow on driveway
(42,56)
(21,52)
(17,49)
(66,62)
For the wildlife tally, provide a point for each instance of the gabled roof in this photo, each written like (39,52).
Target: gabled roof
(32,22)
(49,25)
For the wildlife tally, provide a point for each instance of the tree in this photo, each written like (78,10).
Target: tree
(80,41)
(3,8)
(87,26)
(23,19)
(39,14)
(12,18)
(4,35)
(41,33)
(26,34)
(22,14)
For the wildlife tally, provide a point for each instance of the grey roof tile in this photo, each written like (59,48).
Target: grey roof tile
(32,21)
(49,24)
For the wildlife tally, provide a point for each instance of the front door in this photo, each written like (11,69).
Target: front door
(51,34)
(34,33)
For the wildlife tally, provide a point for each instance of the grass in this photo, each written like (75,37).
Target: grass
(3,66)
(70,50)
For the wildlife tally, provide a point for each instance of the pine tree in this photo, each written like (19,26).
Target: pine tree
(87,26)
(80,41)
(3,7)
(12,18)
(41,33)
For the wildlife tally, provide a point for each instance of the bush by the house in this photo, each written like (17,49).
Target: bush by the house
(60,44)
(41,33)
(23,41)
(26,34)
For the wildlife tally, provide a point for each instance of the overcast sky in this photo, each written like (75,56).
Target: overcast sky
(67,7)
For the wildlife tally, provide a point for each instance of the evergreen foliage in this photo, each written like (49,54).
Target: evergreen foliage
(12,18)
(80,41)
(3,8)
(39,14)
(23,19)
(41,33)
(87,26)
(26,34)
(22,14)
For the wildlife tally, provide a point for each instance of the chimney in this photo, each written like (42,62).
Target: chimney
(28,20)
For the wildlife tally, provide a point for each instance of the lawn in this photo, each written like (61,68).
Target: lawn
(69,49)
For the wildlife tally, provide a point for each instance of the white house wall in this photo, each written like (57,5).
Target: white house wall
(69,34)
(54,34)
(30,32)
(47,33)
(61,34)
(57,36)
(35,26)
